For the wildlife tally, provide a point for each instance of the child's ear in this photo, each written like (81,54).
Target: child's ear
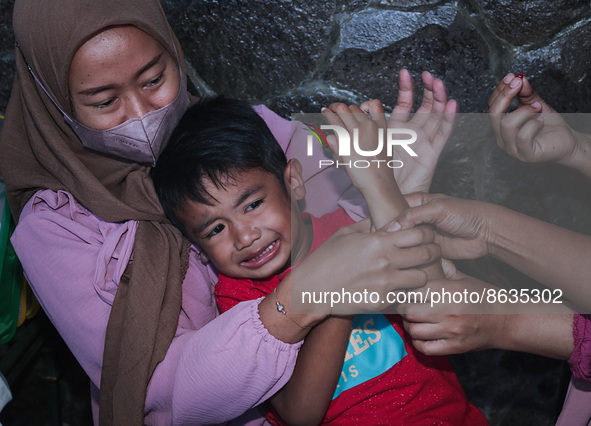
(294,180)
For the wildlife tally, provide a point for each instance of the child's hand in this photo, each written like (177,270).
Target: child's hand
(433,123)
(372,175)
(366,172)
(534,132)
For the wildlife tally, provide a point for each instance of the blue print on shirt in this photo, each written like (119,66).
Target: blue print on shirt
(374,347)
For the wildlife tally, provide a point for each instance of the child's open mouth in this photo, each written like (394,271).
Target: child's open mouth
(262,256)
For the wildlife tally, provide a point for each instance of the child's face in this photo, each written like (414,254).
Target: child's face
(247,232)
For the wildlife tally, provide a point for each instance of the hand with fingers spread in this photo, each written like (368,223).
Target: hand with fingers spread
(534,132)
(433,122)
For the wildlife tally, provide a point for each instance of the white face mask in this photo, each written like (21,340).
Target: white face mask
(140,139)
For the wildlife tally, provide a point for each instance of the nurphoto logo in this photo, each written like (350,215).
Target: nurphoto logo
(387,138)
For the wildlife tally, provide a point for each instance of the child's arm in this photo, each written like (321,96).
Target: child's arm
(304,400)
(372,176)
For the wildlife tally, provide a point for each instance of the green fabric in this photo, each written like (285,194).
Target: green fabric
(10,273)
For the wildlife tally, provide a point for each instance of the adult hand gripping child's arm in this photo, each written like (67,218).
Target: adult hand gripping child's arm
(306,397)
(468,229)
(372,176)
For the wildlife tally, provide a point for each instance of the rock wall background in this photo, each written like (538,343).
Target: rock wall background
(297,56)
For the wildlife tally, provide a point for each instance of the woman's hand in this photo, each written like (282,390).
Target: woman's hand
(462,225)
(359,262)
(453,328)
(433,122)
(535,132)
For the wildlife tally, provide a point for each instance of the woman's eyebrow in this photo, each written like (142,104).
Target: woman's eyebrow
(148,65)
(95,90)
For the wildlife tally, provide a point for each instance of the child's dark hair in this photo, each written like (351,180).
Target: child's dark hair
(215,139)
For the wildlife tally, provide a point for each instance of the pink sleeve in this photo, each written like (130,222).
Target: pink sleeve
(230,366)
(217,367)
(580,359)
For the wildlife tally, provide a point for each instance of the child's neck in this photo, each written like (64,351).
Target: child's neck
(304,244)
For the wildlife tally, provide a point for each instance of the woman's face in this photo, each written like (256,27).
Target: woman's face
(119,74)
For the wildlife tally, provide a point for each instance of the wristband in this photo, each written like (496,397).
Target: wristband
(281,310)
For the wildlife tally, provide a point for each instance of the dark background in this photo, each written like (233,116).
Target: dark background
(297,56)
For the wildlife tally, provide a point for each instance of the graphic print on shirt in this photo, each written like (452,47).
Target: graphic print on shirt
(374,347)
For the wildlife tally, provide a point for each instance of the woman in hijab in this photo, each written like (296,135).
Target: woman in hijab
(99,87)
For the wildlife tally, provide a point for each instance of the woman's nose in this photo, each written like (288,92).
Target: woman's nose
(136,107)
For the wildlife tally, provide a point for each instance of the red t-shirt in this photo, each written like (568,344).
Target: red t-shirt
(384,380)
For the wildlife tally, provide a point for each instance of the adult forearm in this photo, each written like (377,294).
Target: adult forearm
(553,256)
(548,335)
(580,159)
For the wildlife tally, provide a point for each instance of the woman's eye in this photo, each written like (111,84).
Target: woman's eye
(105,104)
(215,231)
(155,81)
(254,205)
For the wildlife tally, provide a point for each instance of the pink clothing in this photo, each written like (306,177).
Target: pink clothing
(74,261)
(218,366)
(580,359)
(576,410)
